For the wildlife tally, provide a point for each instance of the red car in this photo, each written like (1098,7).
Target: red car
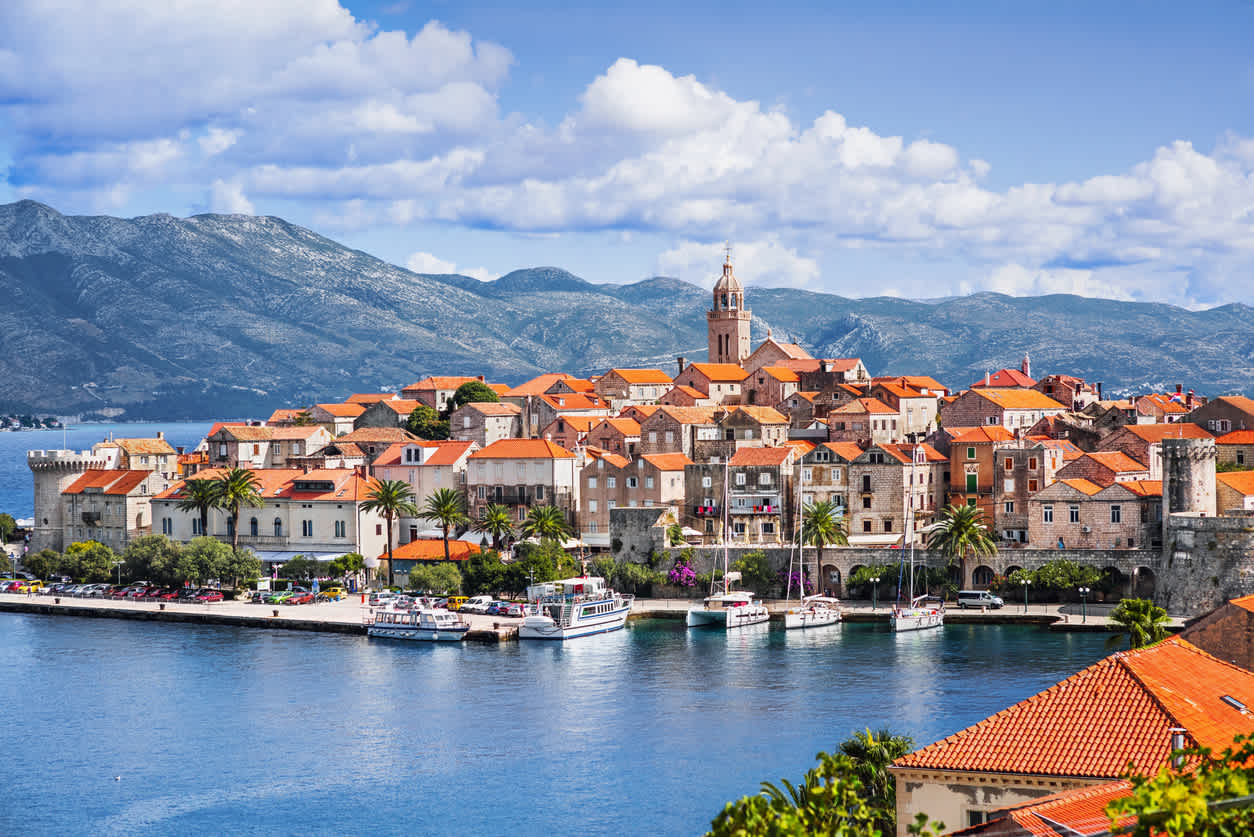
(10,586)
(209,596)
(301,598)
(154,593)
(171,595)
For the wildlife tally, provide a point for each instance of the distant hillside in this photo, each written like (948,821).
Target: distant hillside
(234,315)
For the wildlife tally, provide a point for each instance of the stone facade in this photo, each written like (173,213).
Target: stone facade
(486,423)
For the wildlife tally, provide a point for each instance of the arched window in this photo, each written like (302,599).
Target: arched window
(252,527)
(230,527)
(278,527)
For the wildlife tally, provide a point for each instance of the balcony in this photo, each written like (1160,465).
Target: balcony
(706,511)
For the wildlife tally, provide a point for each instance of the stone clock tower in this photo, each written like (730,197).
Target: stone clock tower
(728,319)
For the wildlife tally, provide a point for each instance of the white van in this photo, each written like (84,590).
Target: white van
(979,598)
(477,604)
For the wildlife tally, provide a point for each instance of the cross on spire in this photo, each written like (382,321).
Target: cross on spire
(727,252)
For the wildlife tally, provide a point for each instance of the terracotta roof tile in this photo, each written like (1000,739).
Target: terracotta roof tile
(983,435)
(522,449)
(1241,482)
(1236,437)
(1019,399)
(342,410)
(431,383)
(667,461)
(574,401)
(866,405)
(760,456)
(614,459)
(919,382)
(762,415)
(1077,811)
(625,426)
(117,482)
(849,451)
(687,415)
(492,408)
(1093,724)
(281,483)
(641,376)
(438,453)
(1082,485)
(1117,461)
(283,415)
(905,453)
(432,549)
(719,371)
(1006,378)
(781,373)
(370,397)
(691,392)
(536,386)
(141,447)
(1172,430)
(375,435)
(1143,488)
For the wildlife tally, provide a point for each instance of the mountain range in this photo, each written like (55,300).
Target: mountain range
(230,315)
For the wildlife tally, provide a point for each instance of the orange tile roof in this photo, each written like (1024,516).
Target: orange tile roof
(375,435)
(781,373)
(1244,602)
(1019,399)
(283,415)
(687,415)
(116,482)
(1076,811)
(578,384)
(536,386)
(1117,711)
(1006,378)
(1166,403)
(642,410)
(1165,430)
(614,459)
(762,415)
(900,391)
(849,451)
(342,410)
(400,406)
(919,382)
(905,453)
(522,449)
(641,376)
(626,426)
(866,405)
(441,382)
(1068,448)
(667,461)
(983,435)
(1241,482)
(1144,488)
(369,397)
(280,483)
(1082,485)
(760,456)
(439,453)
(808,395)
(579,424)
(574,401)
(492,408)
(141,447)
(1238,401)
(432,549)
(691,392)
(301,432)
(719,371)
(244,433)
(499,389)
(802,446)
(1117,461)
(1236,437)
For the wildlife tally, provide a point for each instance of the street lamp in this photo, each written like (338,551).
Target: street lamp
(1026,583)
(118,564)
(875,593)
(1084,604)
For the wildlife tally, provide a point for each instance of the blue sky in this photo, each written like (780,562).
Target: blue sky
(916,149)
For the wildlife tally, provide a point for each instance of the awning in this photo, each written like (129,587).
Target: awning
(886,539)
(277,557)
(598,540)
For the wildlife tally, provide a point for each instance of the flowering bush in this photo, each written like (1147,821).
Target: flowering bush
(681,573)
(795,582)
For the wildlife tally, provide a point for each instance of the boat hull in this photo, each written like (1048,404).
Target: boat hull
(727,618)
(917,620)
(419,634)
(544,627)
(811,618)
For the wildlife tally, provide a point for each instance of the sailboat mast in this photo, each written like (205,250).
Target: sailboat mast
(726,468)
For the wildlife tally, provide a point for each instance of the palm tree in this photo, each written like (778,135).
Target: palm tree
(960,532)
(547,523)
(872,753)
(496,521)
(1145,622)
(199,496)
(821,525)
(446,507)
(391,499)
(236,488)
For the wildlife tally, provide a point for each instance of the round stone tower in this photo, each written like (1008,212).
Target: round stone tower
(1188,477)
(53,471)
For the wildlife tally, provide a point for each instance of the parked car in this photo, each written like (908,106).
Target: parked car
(298,598)
(380,598)
(154,593)
(455,602)
(477,604)
(514,609)
(171,594)
(209,596)
(497,608)
(188,594)
(332,594)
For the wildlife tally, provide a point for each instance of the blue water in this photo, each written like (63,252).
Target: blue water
(17,493)
(644,731)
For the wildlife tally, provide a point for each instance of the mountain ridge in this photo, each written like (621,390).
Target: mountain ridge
(163,317)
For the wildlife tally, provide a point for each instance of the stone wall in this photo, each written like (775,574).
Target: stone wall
(1206,561)
(637,533)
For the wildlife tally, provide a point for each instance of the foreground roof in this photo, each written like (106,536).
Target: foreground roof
(1116,712)
(522,449)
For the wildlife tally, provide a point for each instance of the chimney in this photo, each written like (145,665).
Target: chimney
(988,378)
(1099,390)
(1027,365)
(680,360)
(1188,400)
(479,378)
(160,434)
(1179,388)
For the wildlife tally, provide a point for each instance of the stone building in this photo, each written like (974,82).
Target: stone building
(1126,709)
(1235,490)
(771,352)
(676,429)
(1143,442)
(770,385)
(825,474)
(437,391)
(521,473)
(728,321)
(426,466)
(336,418)
(1236,449)
(750,493)
(486,422)
(886,484)
(865,420)
(249,446)
(616,435)
(916,409)
(392,412)
(1072,392)
(570,432)
(1080,514)
(112,507)
(1023,468)
(721,382)
(686,396)
(1014,409)
(609,481)
(741,427)
(1225,414)
(619,387)
(1104,468)
(973,471)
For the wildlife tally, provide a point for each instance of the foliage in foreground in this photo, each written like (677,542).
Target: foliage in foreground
(1145,622)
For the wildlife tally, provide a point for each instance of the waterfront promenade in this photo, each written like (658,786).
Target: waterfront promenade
(351,615)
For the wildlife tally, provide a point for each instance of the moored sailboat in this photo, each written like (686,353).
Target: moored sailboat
(730,608)
(923,611)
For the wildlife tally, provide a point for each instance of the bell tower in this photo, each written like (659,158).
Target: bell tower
(728,319)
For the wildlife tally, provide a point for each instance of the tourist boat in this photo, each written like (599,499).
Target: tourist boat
(924,611)
(813,612)
(731,608)
(573,607)
(428,625)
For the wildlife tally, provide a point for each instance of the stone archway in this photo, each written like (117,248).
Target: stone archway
(831,579)
(1012,569)
(1114,584)
(1143,583)
(982,577)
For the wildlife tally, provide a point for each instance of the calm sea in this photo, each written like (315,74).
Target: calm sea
(644,731)
(17,495)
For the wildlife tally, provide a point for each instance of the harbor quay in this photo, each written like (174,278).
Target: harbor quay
(352,615)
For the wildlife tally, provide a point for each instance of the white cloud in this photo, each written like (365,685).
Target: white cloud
(427,263)
(229,198)
(763,262)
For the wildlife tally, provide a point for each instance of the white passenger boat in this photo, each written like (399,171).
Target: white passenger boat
(573,607)
(729,609)
(428,625)
(813,612)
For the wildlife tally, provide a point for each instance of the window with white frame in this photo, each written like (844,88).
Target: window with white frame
(740,478)
(539,492)
(706,482)
(1047,514)
(481,491)
(167,526)
(592,507)
(648,482)
(670,437)
(632,482)
(196,530)
(611,482)
(764,478)
(1009,507)
(653,436)
(592,482)
(1073,513)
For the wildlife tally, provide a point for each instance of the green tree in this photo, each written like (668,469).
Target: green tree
(1145,622)
(204,558)
(871,754)
(236,488)
(483,573)
(497,522)
(821,525)
(447,508)
(153,557)
(755,571)
(304,418)
(88,561)
(425,423)
(830,801)
(1064,576)
(435,578)
(675,535)
(860,579)
(42,563)
(243,566)
(199,495)
(546,523)
(473,392)
(390,499)
(347,564)
(960,531)
(536,563)
(7,527)
(300,568)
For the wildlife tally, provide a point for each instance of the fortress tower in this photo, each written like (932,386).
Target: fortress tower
(1188,478)
(53,471)
(728,319)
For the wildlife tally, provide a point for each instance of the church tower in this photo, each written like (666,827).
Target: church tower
(728,318)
